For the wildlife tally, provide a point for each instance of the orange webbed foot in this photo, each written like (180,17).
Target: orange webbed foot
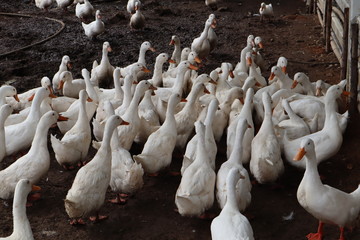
(314,236)
(77,222)
(98,218)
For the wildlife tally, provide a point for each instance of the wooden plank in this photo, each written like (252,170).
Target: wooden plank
(328,25)
(337,29)
(343,4)
(354,71)
(321,6)
(344,54)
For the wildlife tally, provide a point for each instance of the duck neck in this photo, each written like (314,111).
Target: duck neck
(177,52)
(35,108)
(82,117)
(133,107)
(237,151)
(141,58)
(108,133)
(330,110)
(204,34)
(157,76)
(40,137)
(231,202)
(127,92)
(119,94)
(267,122)
(104,58)
(170,121)
(21,222)
(178,85)
(311,171)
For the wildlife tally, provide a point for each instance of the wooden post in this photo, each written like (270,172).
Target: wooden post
(328,26)
(354,78)
(344,54)
(325,17)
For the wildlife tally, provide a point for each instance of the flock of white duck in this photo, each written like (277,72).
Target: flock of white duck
(85,11)
(161,113)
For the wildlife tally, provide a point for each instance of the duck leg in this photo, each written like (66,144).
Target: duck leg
(78,221)
(121,198)
(341,234)
(98,218)
(318,235)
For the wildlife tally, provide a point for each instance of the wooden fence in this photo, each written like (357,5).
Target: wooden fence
(342,36)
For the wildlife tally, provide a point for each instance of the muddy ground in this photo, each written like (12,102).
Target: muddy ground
(150,213)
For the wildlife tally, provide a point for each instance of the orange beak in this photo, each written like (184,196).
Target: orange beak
(183,100)
(124,123)
(171,61)
(301,153)
(109,49)
(197,59)
(172,42)
(52,95)
(231,74)
(206,91)
(31,97)
(346,93)
(261,45)
(144,69)
(258,84)
(213,82)
(152,87)
(272,75)
(50,89)
(249,61)
(89,99)
(283,69)
(295,83)
(61,85)
(193,67)
(241,100)
(16,98)
(62,118)
(318,92)
(152,49)
(35,188)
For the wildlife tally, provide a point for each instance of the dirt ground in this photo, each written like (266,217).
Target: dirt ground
(150,213)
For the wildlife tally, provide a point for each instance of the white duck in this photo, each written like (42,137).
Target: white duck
(210,144)
(22,228)
(266,11)
(212,37)
(195,193)
(70,87)
(266,164)
(44,4)
(242,65)
(87,193)
(149,118)
(65,65)
(243,187)
(84,11)
(295,126)
(35,163)
(5,111)
(327,204)
(19,136)
(157,152)
(7,91)
(157,78)
(137,20)
(128,133)
(72,112)
(282,63)
(102,73)
(130,7)
(201,44)
(126,175)
(24,97)
(186,118)
(284,80)
(246,112)
(304,81)
(176,55)
(145,46)
(74,145)
(64,4)
(231,224)
(321,87)
(94,28)
(328,140)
